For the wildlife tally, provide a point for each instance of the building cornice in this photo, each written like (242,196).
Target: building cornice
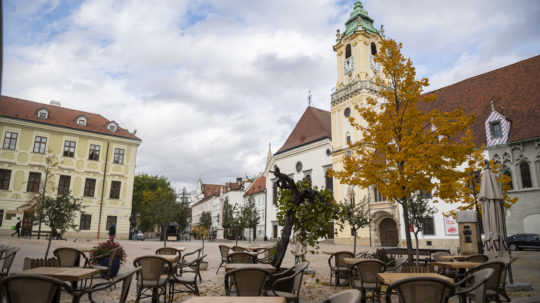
(352,89)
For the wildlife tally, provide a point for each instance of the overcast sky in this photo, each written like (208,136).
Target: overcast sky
(208,84)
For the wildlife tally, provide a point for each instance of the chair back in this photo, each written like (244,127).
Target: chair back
(43,289)
(8,258)
(248,281)
(366,271)
(420,289)
(30,263)
(125,279)
(477,258)
(346,296)
(224,251)
(436,256)
(69,257)
(193,255)
(298,276)
(413,268)
(478,287)
(336,259)
(152,267)
(167,251)
(494,281)
(241,257)
(238,249)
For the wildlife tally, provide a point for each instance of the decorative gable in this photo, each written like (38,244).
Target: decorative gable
(497,129)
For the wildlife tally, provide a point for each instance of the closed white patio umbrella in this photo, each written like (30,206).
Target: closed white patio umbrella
(492,201)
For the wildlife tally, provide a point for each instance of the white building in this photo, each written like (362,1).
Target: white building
(306,154)
(257,192)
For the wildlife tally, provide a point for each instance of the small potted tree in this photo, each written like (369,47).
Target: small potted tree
(102,253)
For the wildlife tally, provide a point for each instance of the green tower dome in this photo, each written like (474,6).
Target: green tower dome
(359,21)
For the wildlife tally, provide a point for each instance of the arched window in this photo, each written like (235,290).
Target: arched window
(507,172)
(525,170)
(348,138)
(81,121)
(373,49)
(347,51)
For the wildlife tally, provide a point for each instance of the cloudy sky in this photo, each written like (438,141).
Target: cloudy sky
(208,84)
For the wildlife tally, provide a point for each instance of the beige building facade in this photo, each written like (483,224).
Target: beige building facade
(95,161)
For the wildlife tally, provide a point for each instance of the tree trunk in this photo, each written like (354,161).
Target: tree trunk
(48,245)
(417,249)
(283,243)
(165,236)
(354,247)
(407,233)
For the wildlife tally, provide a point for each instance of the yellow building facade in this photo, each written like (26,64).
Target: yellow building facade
(95,162)
(355,50)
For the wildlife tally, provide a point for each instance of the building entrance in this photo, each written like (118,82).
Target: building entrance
(388,232)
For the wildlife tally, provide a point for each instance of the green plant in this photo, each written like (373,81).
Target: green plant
(103,250)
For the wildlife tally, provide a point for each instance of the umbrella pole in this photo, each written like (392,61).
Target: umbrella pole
(510,275)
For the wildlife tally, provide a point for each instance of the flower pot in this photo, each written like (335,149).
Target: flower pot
(115,267)
(204,265)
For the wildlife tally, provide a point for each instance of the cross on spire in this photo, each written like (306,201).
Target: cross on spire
(309,98)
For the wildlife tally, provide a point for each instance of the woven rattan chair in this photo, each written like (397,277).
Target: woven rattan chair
(168,251)
(247,282)
(420,290)
(187,282)
(364,278)
(420,268)
(477,258)
(346,296)
(124,278)
(474,286)
(26,288)
(495,282)
(436,256)
(338,268)
(266,255)
(289,286)
(154,275)
(6,260)
(239,249)
(30,263)
(70,257)
(224,251)
(241,257)
(188,259)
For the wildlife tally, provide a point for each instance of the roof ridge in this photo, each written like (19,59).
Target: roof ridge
(46,104)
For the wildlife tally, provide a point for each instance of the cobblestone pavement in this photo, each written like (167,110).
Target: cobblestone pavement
(315,288)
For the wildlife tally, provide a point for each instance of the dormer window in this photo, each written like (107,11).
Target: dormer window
(81,121)
(43,114)
(112,127)
(495,129)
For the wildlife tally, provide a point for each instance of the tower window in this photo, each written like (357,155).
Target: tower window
(348,51)
(525,174)
(347,112)
(373,49)
(348,138)
(495,129)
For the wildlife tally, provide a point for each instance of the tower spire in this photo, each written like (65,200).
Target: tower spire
(309,98)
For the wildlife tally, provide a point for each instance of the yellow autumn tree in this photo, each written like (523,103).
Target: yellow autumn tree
(470,184)
(403,147)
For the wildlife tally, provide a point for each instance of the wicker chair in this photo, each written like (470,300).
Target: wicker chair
(289,286)
(474,286)
(495,284)
(125,279)
(187,280)
(337,267)
(364,278)
(420,268)
(477,258)
(188,259)
(420,289)
(239,249)
(70,257)
(30,263)
(247,281)
(7,261)
(266,255)
(154,275)
(241,257)
(346,296)
(224,251)
(168,251)
(43,289)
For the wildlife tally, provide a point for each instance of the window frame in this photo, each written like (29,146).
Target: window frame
(33,184)
(348,51)
(41,143)
(495,129)
(373,47)
(86,190)
(5,178)
(113,192)
(85,222)
(426,232)
(69,148)
(119,155)
(94,151)
(63,188)
(525,174)
(9,141)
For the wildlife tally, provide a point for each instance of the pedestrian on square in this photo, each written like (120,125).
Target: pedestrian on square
(112,232)
(17,229)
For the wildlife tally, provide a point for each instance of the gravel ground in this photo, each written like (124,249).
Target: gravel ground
(315,289)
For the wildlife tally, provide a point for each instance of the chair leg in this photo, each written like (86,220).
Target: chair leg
(219,267)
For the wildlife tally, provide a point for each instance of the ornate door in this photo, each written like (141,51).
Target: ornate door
(388,232)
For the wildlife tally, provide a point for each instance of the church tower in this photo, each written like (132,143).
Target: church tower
(355,50)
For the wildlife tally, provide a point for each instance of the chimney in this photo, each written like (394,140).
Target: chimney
(55,103)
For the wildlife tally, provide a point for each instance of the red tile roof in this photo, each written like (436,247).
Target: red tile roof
(258,186)
(515,91)
(59,116)
(314,125)
(211,189)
